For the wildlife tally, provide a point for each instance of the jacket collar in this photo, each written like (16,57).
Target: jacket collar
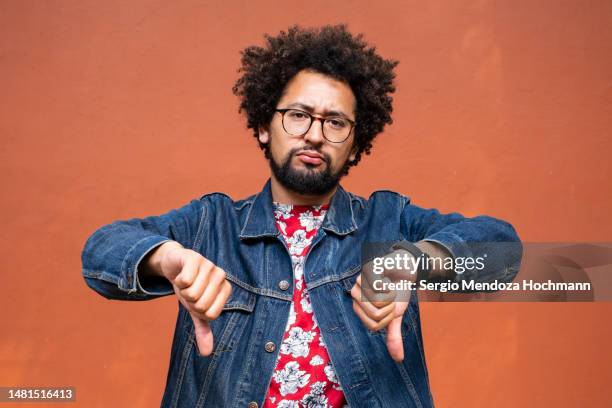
(260,221)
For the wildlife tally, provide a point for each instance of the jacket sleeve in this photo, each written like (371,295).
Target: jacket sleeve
(112,254)
(492,241)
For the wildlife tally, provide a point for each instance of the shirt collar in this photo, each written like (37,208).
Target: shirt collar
(260,221)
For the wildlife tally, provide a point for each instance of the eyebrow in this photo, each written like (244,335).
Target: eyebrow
(310,109)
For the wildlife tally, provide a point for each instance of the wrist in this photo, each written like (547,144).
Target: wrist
(437,254)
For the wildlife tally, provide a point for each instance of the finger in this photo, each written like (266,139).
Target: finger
(217,307)
(203,335)
(369,322)
(373,286)
(377,300)
(356,291)
(395,344)
(374,310)
(188,274)
(377,313)
(217,277)
(193,292)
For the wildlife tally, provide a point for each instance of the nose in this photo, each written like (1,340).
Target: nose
(315,133)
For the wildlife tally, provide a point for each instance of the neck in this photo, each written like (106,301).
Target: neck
(282,195)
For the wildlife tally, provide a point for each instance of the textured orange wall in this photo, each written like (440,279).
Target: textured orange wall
(115,109)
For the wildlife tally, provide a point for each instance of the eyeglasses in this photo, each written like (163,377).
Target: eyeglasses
(336,129)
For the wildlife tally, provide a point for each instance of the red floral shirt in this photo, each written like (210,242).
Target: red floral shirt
(304,375)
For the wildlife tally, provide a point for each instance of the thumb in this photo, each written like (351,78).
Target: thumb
(172,262)
(203,335)
(395,345)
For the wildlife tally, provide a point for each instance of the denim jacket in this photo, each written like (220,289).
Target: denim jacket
(241,237)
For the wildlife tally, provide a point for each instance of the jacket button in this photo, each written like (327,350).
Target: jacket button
(283,285)
(270,347)
(253,404)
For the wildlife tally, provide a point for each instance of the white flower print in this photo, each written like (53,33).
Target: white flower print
(297,260)
(314,401)
(297,242)
(297,343)
(291,378)
(316,360)
(288,404)
(305,302)
(298,270)
(292,316)
(272,399)
(282,211)
(283,227)
(316,397)
(317,387)
(330,373)
(309,221)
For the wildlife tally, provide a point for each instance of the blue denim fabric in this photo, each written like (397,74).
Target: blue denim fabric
(242,238)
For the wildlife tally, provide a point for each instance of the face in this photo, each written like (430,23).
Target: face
(310,164)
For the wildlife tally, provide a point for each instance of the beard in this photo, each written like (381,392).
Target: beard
(309,181)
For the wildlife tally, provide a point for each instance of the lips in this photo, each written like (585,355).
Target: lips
(310,157)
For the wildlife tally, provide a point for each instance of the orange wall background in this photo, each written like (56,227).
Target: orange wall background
(119,109)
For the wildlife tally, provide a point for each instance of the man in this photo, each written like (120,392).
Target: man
(275,308)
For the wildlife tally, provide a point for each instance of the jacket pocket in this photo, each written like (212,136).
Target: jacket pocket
(227,328)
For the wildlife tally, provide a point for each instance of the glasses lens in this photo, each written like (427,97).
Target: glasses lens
(336,129)
(296,122)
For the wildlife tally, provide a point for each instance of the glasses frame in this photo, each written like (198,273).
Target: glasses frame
(322,119)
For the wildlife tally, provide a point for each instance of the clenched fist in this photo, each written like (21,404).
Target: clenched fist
(199,285)
(378,309)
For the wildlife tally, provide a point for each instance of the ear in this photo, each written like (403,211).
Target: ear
(264,135)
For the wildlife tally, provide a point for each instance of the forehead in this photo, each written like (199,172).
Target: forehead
(320,92)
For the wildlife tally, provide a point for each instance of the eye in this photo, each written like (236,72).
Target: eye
(297,115)
(337,123)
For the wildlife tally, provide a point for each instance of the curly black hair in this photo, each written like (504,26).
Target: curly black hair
(331,50)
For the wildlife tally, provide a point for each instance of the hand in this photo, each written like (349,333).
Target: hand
(378,309)
(201,288)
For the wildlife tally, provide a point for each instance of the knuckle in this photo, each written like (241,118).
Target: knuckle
(228,291)
(220,272)
(212,315)
(189,296)
(194,312)
(200,308)
(205,264)
(194,256)
(379,303)
(378,314)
